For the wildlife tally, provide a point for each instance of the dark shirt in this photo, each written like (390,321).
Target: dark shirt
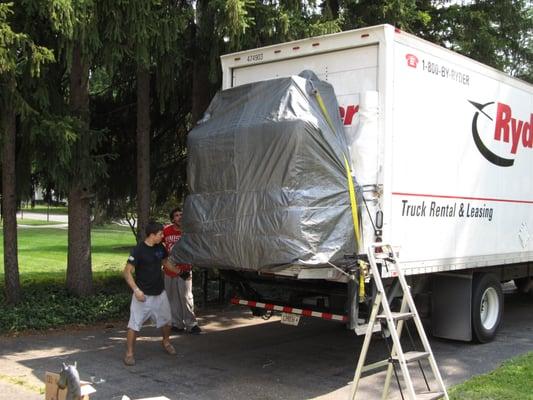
(147,262)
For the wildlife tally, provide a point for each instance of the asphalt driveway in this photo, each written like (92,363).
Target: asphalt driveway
(240,357)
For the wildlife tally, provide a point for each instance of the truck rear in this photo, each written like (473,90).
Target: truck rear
(441,148)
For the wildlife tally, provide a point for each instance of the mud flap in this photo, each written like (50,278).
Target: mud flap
(451,310)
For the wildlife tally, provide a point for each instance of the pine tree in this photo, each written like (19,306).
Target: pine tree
(20,58)
(148,34)
(494,32)
(81,49)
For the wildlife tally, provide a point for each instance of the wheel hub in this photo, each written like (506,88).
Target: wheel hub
(489,308)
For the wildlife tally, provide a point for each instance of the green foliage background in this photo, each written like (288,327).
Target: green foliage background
(47,305)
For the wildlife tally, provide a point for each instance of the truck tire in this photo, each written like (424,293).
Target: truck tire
(487,307)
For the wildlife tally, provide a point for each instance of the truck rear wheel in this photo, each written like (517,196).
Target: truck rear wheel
(487,307)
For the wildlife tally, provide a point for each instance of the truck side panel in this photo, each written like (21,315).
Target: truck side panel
(445,130)
(350,71)
(462,159)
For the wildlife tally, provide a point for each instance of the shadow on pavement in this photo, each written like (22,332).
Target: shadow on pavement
(240,357)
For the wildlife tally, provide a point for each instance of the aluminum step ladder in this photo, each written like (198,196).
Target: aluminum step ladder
(380,255)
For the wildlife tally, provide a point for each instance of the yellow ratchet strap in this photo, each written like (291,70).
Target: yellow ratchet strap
(362,291)
(363,271)
(324,110)
(351,189)
(353,202)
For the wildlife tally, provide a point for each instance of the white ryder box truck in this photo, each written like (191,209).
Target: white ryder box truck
(443,149)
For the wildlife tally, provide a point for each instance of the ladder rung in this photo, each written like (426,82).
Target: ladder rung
(384,256)
(410,356)
(378,256)
(430,396)
(376,365)
(396,316)
(361,329)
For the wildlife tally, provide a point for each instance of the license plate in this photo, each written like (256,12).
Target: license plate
(290,319)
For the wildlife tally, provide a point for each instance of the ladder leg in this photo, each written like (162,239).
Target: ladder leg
(421,331)
(390,369)
(431,359)
(411,395)
(399,328)
(418,362)
(387,382)
(366,345)
(395,324)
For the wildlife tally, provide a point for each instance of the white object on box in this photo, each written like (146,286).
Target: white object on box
(52,392)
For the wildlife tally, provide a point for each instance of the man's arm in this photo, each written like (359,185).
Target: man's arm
(170,266)
(128,276)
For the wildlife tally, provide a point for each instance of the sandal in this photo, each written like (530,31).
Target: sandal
(169,348)
(129,360)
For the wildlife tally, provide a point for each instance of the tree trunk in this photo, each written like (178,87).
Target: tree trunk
(79,271)
(200,88)
(334,8)
(202,34)
(9,209)
(143,150)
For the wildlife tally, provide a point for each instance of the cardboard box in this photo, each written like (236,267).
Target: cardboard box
(52,392)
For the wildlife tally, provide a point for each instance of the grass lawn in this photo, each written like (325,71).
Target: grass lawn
(42,209)
(512,381)
(43,251)
(42,265)
(36,222)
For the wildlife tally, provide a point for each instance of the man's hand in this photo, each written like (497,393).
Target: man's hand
(172,268)
(139,295)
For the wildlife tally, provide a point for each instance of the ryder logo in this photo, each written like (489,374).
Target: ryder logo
(508,128)
(348,113)
(412,60)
